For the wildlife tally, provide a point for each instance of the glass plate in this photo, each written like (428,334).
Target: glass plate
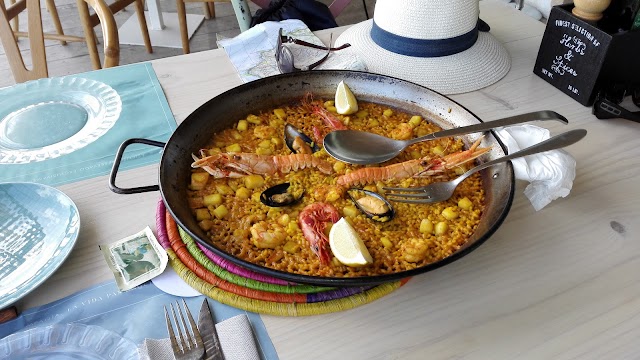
(39,226)
(67,341)
(47,118)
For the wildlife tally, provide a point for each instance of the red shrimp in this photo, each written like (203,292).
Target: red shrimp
(330,120)
(313,222)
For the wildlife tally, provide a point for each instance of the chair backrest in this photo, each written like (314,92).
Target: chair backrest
(36,38)
(109,29)
(36,41)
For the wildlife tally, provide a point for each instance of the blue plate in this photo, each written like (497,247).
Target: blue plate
(39,226)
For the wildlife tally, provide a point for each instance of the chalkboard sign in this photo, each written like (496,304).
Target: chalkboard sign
(578,58)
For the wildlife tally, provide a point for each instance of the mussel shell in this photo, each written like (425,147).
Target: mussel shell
(384,217)
(267,197)
(290,134)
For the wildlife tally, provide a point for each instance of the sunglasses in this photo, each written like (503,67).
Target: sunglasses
(285,39)
(616,92)
(284,56)
(604,108)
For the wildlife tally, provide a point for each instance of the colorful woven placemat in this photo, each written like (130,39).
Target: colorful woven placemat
(204,275)
(179,246)
(252,281)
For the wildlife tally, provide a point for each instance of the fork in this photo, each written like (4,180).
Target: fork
(190,345)
(441,191)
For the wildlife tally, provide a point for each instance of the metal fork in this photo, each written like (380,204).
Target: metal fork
(190,345)
(441,191)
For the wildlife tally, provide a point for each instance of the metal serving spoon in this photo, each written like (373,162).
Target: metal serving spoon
(361,147)
(441,191)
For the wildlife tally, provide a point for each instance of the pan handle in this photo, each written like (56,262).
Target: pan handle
(116,165)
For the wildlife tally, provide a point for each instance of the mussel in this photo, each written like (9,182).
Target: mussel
(279,195)
(372,204)
(298,142)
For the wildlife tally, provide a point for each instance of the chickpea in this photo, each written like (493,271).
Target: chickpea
(465,203)
(426,226)
(441,228)
(450,213)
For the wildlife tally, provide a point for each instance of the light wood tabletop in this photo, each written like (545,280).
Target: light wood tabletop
(563,282)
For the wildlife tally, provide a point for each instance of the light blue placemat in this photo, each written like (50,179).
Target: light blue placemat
(145,114)
(135,314)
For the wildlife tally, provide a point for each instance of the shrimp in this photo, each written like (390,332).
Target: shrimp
(426,166)
(329,119)
(267,235)
(403,131)
(328,193)
(224,165)
(414,250)
(313,219)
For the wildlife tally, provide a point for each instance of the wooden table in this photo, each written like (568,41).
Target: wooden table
(563,282)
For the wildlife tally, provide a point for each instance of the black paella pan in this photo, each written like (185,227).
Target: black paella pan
(225,109)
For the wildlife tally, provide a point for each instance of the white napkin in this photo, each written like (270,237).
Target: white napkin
(550,174)
(253,51)
(236,339)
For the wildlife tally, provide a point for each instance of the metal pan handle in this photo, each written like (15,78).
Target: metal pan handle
(116,165)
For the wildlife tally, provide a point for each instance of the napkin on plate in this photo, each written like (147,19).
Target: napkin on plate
(236,339)
(550,174)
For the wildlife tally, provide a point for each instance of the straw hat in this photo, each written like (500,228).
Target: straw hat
(435,43)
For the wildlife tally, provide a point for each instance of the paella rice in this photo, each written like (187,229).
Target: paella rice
(228,207)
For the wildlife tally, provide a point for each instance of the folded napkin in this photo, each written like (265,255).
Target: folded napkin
(550,174)
(253,51)
(236,339)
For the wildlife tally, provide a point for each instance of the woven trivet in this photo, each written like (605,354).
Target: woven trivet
(256,300)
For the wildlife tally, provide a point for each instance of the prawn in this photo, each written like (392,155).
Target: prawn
(330,120)
(426,166)
(267,235)
(414,250)
(223,165)
(313,219)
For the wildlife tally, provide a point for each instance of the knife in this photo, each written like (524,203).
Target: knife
(207,328)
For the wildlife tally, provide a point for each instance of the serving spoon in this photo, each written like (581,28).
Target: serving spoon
(362,148)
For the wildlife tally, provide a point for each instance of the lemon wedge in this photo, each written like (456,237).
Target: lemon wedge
(347,246)
(345,101)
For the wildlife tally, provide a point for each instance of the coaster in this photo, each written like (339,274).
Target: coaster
(257,300)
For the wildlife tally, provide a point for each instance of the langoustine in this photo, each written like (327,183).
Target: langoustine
(426,166)
(235,165)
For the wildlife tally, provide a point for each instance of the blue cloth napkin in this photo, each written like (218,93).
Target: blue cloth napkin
(135,314)
(145,114)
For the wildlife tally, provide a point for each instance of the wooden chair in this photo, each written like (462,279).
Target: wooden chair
(36,37)
(335,7)
(51,7)
(89,21)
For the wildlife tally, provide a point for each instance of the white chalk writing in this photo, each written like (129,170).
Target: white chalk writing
(579,29)
(574,43)
(561,68)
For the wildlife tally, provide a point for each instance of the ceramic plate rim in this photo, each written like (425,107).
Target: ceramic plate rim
(35,282)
